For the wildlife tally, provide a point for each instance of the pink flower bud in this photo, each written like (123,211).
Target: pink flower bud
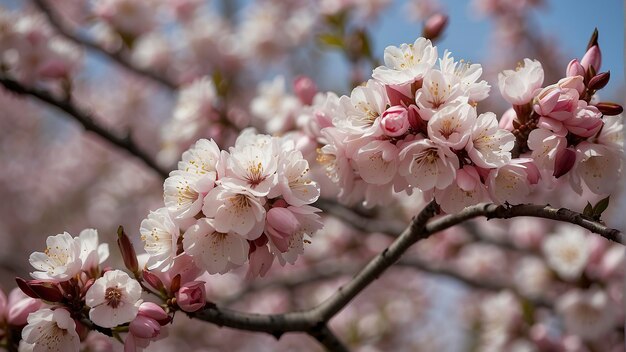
(600,80)
(395,121)
(154,311)
(557,103)
(153,280)
(281,222)
(434,26)
(574,68)
(144,327)
(261,261)
(191,296)
(506,121)
(586,122)
(400,95)
(305,88)
(563,162)
(593,58)
(127,250)
(20,306)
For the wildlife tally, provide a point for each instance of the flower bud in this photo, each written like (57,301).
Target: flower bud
(20,306)
(154,311)
(144,327)
(153,280)
(593,58)
(191,296)
(434,26)
(46,291)
(506,121)
(610,109)
(305,88)
(127,250)
(281,222)
(395,121)
(599,81)
(574,68)
(563,162)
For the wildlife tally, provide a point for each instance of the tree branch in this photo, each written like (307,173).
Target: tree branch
(121,59)
(304,321)
(327,338)
(85,120)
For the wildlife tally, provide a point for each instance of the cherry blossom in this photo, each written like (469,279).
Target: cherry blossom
(518,87)
(407,63)
(50,330)
(114,299)
(60,261)
(160,236)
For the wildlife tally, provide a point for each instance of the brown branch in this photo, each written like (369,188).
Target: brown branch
(304,321)
(327,338)
(85,119)
(57,22)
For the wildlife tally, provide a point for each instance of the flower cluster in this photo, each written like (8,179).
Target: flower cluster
(30,50)
(69,279)
(415,125)
(562,127)
(251,203)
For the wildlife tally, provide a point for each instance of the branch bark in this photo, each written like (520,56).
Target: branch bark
(119,57)
(304,321)
(85,119)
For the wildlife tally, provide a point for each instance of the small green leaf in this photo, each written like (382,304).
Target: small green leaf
(588,210)
(331,40)
(601,207)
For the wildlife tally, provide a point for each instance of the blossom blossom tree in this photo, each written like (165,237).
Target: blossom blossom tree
(248,207)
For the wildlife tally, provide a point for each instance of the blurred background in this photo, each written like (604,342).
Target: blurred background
(488,286)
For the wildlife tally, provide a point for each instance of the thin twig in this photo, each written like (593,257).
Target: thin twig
(119,57)
(85,119)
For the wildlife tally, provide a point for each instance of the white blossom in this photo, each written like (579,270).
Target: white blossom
(114,299)
(567,251)
(50,330)
(427,165)
(92,253)
(490,146)
(160,235)
(236,210)
(518,86)
(407,63)
(60,261)
(589,314)
(212,250)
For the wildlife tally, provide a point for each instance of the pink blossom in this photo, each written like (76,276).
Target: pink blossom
(574,68)
(557,103)
(305,88)
(261,261)
(18,307)
(191,296)
(586,122)
(592,58)
(281,224)
(395,121)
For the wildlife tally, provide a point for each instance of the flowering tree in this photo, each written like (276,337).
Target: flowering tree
(283,209)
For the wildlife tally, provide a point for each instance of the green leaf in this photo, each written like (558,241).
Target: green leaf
(331,40)
(600,207)
(588,210)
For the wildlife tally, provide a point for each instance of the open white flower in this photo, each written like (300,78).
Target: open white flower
(181,194)
(294,182)
(427,165)
(452,126)
(597,166)
(545,145)
(214,251)
(253,168)
(60,261)
(567,251)
(518,86)
(377,162)
(489,146)
(407,63)
(437,92)
(513,182)
(92,253)
(201,159)
(50,330)
(160,236)
(363,109)
(114,299)
(588,314)
(466,75)
(236,210)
